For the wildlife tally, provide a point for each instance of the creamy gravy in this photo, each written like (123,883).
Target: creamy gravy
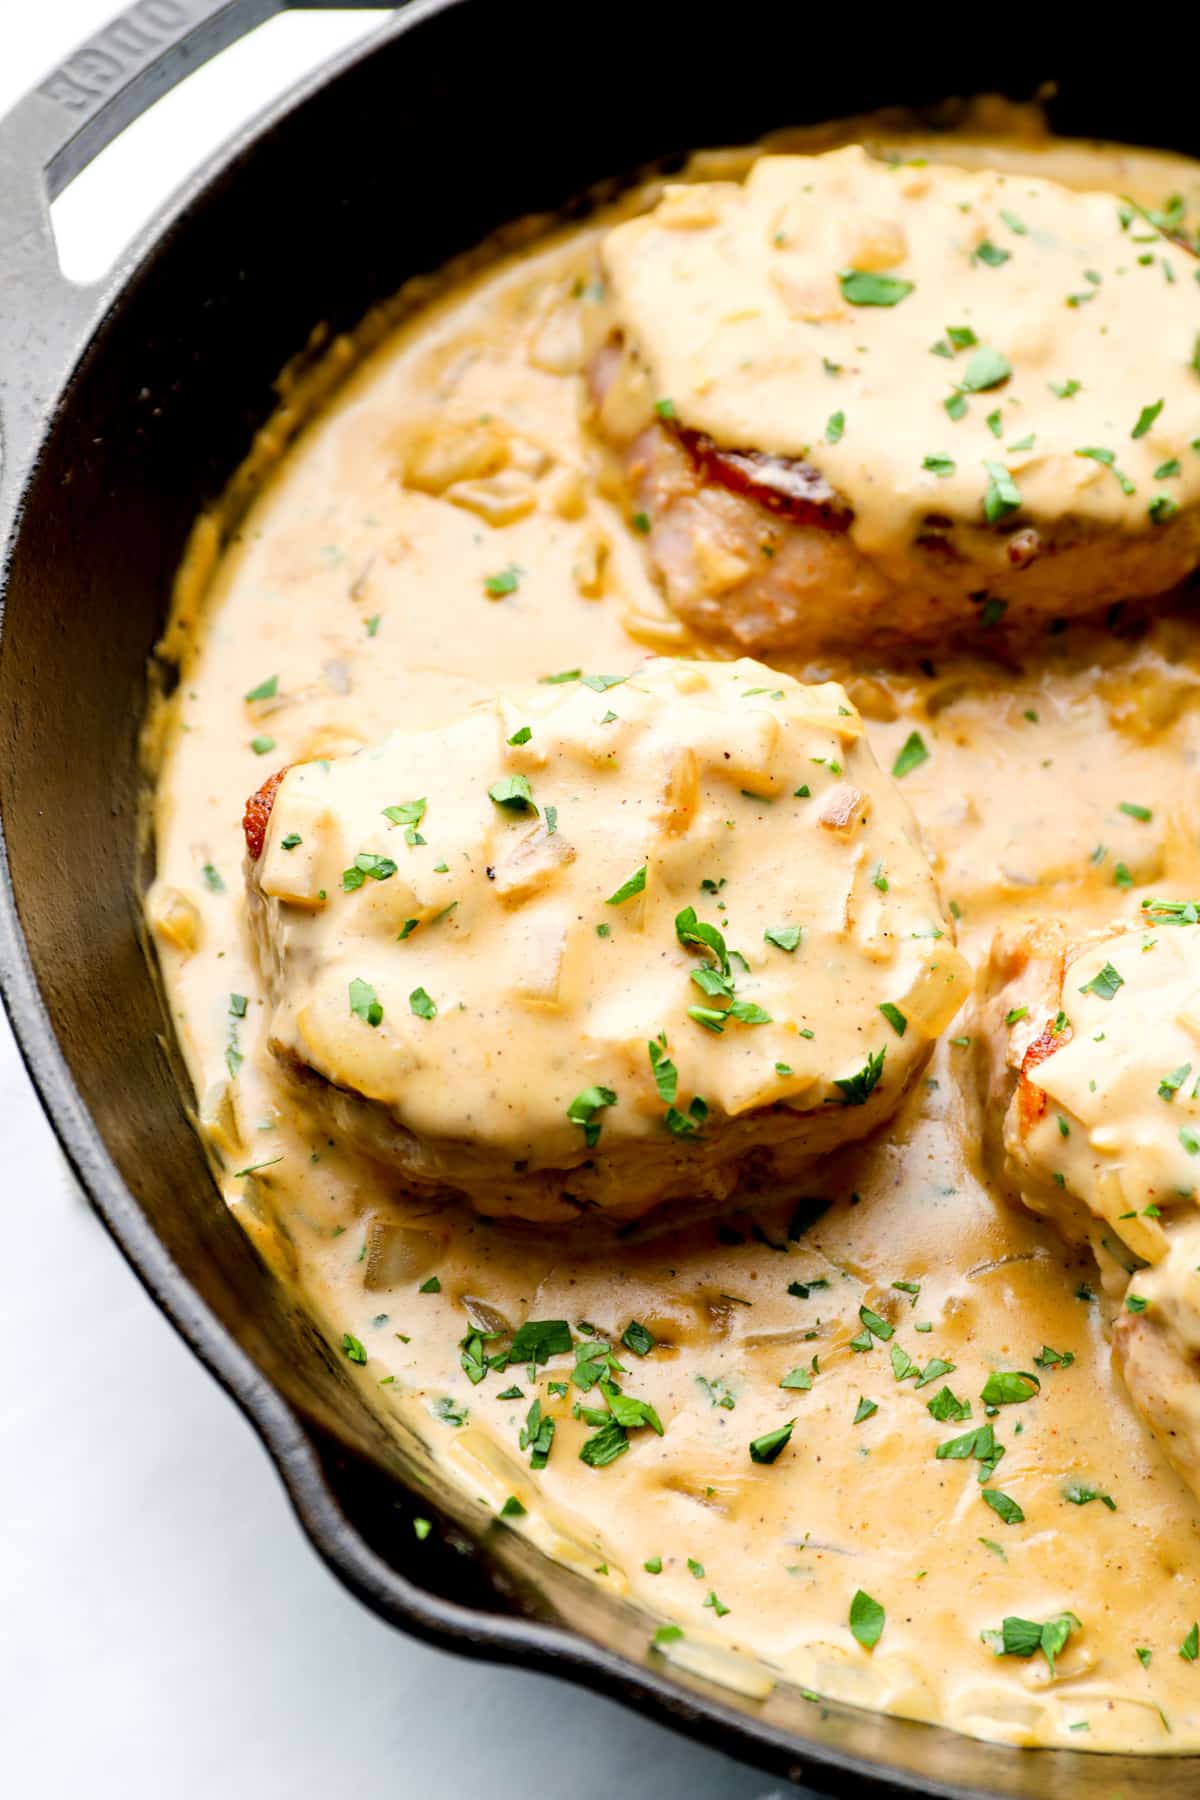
(368,603)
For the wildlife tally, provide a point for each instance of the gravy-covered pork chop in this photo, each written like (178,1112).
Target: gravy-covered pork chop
(866,402)
(608,943)
(1097,1068)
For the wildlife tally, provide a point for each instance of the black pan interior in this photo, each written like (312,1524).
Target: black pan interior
(464,116)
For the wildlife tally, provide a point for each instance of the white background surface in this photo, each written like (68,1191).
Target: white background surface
(164,1628)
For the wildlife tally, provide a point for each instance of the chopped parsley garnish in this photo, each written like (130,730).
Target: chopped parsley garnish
(864,1409)
(765,1449)
(1008,1387)
(1171,1083)
(784,937)
(1082,1493)
(1136,1303)
(936,1367)
(986,369)
(563,675)
(857,1089)
(408,813)
(716,1392)
(911,755)
(512,1508)
(266,690)
(747,1012)
(939,465)
(961,337)
(260,745)
(520,736)
(894,1017)
(1004,1506)
(683,1124)
(512,791)
(253,1168)
(693,933)
(1146,419)
(867,1619)
(1162,508)
(1097,453)
(506,582)
(364,1004)
(863,287)
(666,1075)
(1002,496)
(537,1340)
(379,868)
(638,1338)
(877,1326)
(420,1004)
(947,1408)
(800,1290)
(1143,814)
(1104,984)
(291,841)
(432,1286)
(1022,1637)
(665,409)
(1189,1650)
(835,428)
(1054,1359)
(353,1348)
(635,884)
(991,254)
(537,1436)
(979,1443)
(583,1110)
(1065,390)
(1172,912)
(798,1379)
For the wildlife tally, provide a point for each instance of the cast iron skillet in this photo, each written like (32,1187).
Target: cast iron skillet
(123,409)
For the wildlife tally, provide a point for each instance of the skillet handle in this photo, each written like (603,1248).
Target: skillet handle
(45,141)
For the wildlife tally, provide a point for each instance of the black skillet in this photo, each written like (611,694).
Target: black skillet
(123,409)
